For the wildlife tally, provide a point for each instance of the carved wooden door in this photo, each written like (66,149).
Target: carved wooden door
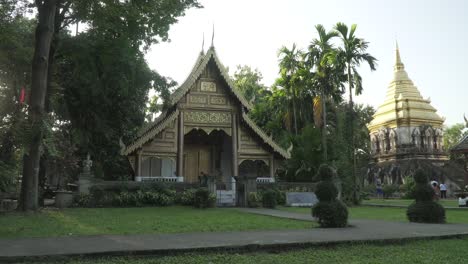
(204,164)
(196,160)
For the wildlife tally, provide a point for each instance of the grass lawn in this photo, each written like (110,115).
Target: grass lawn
(148,220)
(406,202)
(386,213)
(427,251)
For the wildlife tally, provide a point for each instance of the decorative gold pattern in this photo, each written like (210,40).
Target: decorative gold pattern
(208,87)
(198,99)
(207,117)
(218,100)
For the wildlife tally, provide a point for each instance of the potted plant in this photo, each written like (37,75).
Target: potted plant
(63,197)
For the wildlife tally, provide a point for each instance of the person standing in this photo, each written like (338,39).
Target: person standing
(379,189)
(443,191)
(435,186)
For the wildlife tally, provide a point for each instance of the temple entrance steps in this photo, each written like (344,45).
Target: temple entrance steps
(225,198)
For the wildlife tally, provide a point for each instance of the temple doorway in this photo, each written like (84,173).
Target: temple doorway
(208,154)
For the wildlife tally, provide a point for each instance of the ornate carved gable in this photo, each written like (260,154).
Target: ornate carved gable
(206,100)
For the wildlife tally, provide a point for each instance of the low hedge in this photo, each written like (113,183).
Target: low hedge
(254,200)
(151,195)
(269,199)
(204,199)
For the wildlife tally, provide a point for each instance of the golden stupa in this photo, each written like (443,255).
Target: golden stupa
(405,126)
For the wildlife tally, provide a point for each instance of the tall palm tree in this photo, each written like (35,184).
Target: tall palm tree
(325,73)
(289,66)
(353,53)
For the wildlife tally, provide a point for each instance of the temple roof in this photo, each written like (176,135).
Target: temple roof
(403,103)
(462,146)
(197,70)
(150,130)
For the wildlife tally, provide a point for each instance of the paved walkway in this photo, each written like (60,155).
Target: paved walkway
(406,206)
(361,230)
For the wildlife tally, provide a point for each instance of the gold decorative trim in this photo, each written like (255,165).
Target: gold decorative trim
(218,100)
(208,86)
(207,117)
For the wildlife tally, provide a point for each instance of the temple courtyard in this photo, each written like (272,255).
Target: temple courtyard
(245,235)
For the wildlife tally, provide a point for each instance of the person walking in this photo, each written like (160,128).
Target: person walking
(443,191)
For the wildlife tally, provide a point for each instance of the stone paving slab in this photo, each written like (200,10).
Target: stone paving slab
(361,231)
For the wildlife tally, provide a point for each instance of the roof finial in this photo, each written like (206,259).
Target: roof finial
(203,44)
(398,64)
(212,36)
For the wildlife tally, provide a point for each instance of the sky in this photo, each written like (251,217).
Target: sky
(432,37)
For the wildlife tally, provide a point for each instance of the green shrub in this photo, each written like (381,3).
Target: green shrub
(326,191)
(408,188)
(367,191)
(7,177)
(420,177)
(329,211)
(126,199)
(424,209)
(269,199)
(186,197)
(325,173)
(331,214)
(253,200)
(83,200)
(280,197)
(389,190)
(423,193)
(204,199)
(426,212)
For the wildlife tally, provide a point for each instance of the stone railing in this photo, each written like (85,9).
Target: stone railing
(158,179)
(265,180)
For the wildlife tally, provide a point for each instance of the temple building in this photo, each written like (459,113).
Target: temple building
(205,130)
(406,133)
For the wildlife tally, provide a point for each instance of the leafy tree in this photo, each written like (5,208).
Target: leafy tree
(326,79)
(453,135)
(353,53)
(289,67)
(141,22)
(248,81)
(105,84)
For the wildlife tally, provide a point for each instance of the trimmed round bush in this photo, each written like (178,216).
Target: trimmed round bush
(424,209)
(269,199)
(420,177)
(331,214)
(423,193)
(426,212)
(325,173)
(204,199)
(326,191)
(329,211)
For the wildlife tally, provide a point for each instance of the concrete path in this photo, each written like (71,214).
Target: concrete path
(361,230)
(405,206)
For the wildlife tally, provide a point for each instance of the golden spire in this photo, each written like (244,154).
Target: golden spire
(398,64)
(403,100)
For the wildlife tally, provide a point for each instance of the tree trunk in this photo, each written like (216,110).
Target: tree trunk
(43,40)
(294,113)
(353,144)
(324,128)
